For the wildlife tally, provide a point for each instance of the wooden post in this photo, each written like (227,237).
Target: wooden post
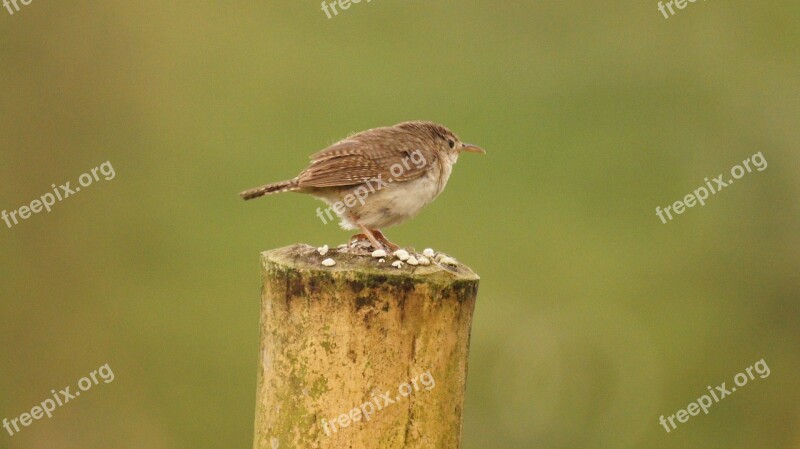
(361,355)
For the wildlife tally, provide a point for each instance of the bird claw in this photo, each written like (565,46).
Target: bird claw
(379,238)
(382,238)
(368,239)
(358,238)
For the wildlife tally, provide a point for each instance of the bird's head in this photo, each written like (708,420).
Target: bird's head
(443,139)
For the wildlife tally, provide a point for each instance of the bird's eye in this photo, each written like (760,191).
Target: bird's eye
(451,143)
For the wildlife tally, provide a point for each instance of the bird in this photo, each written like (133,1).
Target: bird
(378,178)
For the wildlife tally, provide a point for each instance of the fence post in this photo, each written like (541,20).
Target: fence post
(335,340)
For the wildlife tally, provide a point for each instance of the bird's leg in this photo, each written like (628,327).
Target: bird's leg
(375,243)
(382,238)
(358,237)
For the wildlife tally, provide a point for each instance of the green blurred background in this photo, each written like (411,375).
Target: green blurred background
(593,318)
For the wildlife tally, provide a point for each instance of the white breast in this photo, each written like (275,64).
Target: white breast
(399,202)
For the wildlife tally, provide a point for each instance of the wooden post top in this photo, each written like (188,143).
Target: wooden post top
(356,258)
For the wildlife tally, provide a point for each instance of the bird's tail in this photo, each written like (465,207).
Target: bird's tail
(277,187)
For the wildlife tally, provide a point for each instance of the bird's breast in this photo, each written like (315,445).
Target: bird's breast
(399,201)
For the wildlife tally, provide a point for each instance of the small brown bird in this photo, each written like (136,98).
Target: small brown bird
(378,178)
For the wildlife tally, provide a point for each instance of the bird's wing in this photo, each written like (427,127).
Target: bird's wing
(355,160)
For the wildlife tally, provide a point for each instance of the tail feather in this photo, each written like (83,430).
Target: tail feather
(277,187)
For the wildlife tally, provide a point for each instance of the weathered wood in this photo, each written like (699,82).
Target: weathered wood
(335,339)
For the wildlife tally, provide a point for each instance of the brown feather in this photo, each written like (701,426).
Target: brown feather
(371,154)
(277,187)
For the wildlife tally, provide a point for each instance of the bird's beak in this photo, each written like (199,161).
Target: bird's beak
(472,149)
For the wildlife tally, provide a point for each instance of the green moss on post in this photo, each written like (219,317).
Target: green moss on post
(333,339)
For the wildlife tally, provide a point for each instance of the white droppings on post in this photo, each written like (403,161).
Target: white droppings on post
(402,254)
(447,260)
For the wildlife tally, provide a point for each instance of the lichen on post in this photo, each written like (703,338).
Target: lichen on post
(361,355)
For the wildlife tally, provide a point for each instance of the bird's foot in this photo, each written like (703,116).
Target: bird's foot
(376,239)
(382,238)
(366,237)
(358,238)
